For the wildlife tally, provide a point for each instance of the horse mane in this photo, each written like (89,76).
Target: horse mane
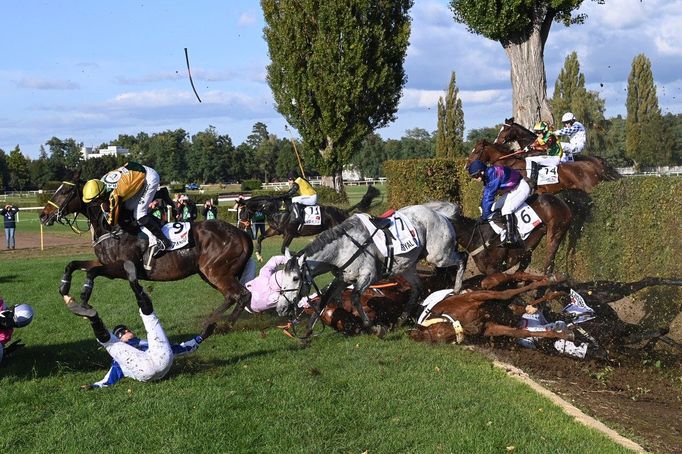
(328,236)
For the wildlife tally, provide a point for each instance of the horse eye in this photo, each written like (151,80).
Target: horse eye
(296,279)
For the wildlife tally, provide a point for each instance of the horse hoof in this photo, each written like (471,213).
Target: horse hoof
(379,331)
(82,310)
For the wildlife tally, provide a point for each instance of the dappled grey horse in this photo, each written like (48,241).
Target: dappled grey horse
(349,253)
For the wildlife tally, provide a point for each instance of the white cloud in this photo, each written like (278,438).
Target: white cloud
(35,83)
(247,19)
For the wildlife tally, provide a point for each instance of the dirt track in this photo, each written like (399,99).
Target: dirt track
(640,397)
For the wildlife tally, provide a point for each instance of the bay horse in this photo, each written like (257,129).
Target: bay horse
(510,132)
(350,254)
(218,252)
(278,221)
(581,175)
(484,245)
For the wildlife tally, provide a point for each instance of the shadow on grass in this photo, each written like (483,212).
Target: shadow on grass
(10,278)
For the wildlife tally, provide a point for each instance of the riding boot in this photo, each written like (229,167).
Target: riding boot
(534,172)
(295,218)
(154,226)
(512,239)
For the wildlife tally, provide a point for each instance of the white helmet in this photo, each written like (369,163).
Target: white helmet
(568,116)
(23,314)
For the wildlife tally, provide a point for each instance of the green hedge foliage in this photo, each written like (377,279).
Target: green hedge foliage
(414,181)
(250,185)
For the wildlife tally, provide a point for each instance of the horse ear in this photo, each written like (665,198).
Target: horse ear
(77,175)
(509,120)
(301,260)
(287,254)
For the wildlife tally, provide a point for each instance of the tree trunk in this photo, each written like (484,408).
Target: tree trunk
(334,181)
(528,78)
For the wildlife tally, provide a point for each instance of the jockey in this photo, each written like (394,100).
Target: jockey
(509,181)
(546,142)
(134,186)
(576,133)
(15,317)
(302,193)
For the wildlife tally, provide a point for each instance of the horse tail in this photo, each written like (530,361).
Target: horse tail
(249,272)
(366,202)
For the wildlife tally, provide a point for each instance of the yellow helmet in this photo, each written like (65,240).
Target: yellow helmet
(92,190)
(541,126)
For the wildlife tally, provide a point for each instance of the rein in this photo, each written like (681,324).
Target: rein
(60,217)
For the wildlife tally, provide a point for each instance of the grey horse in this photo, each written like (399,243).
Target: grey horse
(348,252)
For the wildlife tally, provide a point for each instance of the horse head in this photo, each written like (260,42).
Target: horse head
(511,131)
(294,282)
(66,200)
(479,152)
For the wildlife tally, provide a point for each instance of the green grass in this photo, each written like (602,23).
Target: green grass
(251,392)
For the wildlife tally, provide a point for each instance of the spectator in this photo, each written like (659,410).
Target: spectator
(10,214)
(242,224)
(258,224)
(158,209)
(187,210)
(210,211)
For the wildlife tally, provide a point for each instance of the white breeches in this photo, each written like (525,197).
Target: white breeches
(510,201)
(543,160)
(139,203)
(570,149)
(152,364)
(308,200)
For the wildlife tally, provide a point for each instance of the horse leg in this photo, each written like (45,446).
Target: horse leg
(367,324)
(144,302)
(268,233)
(65,284)
(494,329)
(415,290)
(288,238)
(335,289)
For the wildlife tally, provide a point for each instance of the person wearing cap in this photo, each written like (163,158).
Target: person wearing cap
(133,186)
(9,213)
(576,133)
(514,191)
(301,193)
(17,316)
(140,359)
(548,144)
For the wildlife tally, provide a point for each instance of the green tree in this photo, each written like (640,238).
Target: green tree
(168,151)
(614,142)
(4,172)
(450,133)
(336,71)
(570,95)
(19,170)
(40,169)
(474,135)
(522,27)
(644,124)
(370,159)
(417,143)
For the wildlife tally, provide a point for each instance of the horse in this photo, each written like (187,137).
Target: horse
(218,252)
(278,221)
(350,254)
(581,175)
(510,131)
(484,244)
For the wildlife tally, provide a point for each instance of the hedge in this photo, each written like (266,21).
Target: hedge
(413,181)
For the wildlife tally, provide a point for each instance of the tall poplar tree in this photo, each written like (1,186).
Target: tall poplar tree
(450,134)
(336,71)
(522,27)
(644,124)
(570,95)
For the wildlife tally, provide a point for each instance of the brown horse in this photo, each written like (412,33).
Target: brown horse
(581,175)
(514,132)
(218,252)
(278,221)
(484,245)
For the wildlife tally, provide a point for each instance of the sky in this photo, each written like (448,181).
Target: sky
(93,70)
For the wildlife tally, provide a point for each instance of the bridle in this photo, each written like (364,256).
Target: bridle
(307,282)
(59,215)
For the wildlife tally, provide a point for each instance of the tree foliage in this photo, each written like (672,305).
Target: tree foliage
(522,27)
(450,133)
(644,124)
(570,95)
(336,70)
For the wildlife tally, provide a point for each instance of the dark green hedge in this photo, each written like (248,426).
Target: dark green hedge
(413,181)
(251,185)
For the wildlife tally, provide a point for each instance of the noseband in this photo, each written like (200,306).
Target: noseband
(59,215)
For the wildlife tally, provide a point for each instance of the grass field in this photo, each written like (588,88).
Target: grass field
(254,391)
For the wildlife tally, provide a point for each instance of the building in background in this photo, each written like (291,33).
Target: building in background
(111,150)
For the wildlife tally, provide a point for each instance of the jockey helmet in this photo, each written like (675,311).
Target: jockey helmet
(541,126)
(568,116)
(23,314)
(120,330)
(92,190)
(476,167)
